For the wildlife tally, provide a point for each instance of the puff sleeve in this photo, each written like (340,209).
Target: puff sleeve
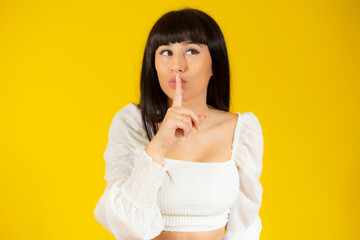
(128,207)
(244,222)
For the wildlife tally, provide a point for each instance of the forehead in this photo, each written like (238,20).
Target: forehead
(184,43)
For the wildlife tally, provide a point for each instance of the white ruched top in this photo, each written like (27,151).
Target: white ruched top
(197,196)
(143,198)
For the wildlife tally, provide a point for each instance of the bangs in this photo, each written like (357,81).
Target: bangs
(176,27)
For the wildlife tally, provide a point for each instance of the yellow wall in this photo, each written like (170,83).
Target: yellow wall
(67,67)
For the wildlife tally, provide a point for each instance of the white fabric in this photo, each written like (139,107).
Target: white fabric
(197,196)
(143,198)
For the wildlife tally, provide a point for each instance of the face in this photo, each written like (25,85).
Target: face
(193,63)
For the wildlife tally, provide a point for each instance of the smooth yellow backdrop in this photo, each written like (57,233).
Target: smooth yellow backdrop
(66,68)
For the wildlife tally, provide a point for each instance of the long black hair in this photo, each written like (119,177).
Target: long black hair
(175,27)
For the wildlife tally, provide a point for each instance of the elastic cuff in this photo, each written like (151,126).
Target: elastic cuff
(142,186)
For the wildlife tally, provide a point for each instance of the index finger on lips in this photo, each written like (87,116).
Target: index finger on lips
(178,92)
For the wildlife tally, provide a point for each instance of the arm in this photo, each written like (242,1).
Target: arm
(244,221)
(128,208)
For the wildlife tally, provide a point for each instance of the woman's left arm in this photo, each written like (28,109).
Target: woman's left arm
(244,221)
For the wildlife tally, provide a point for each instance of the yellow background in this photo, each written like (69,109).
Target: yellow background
(66,68)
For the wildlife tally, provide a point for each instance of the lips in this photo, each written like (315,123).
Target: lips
(172,82)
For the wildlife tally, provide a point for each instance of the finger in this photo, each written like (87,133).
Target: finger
(190,113)
(178,92)
(179,124)
(201,119)
(185,118)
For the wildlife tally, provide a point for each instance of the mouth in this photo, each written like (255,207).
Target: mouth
(172,82)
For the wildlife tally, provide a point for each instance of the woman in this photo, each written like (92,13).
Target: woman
(167,178)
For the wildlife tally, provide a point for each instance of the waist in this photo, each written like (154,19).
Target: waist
(216,234)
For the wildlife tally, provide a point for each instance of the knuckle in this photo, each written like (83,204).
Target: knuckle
(194,115)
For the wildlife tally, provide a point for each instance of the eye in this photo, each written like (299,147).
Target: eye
(192,51)
(165,52)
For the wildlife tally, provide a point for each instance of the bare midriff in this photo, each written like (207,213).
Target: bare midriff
(209,235)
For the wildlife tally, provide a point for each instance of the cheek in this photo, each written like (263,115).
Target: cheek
(208,65)
(203,67)
(160,66)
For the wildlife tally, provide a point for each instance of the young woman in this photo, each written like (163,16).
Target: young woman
(179,165)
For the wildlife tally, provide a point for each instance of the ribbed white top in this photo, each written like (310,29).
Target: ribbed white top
(196,196)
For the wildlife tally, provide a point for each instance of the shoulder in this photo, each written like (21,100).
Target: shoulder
(245,127)
(222,121)
(130,109)
(128,114)
(224,118)
(128,120)
(249,121)
(249,140)
(249,130)
(244,121)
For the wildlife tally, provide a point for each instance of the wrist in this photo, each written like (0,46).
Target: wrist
(155,151)
(158,145)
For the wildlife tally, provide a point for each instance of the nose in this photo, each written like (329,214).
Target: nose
(178,64)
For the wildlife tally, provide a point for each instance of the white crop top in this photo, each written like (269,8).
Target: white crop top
(197,196)
(143,198)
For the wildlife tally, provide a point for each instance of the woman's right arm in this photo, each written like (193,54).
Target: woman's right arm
(128,208)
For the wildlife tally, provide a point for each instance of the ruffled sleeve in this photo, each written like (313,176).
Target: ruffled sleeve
(128,207)
(244,222)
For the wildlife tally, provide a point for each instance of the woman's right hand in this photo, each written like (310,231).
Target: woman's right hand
(178,121)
